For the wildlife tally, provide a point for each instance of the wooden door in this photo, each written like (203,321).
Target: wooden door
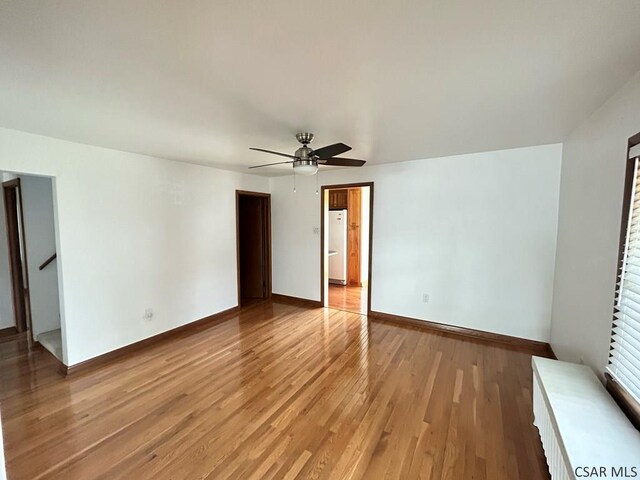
(338,199)
(16,267)
(354,236)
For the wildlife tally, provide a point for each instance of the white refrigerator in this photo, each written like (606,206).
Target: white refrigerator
(338,246)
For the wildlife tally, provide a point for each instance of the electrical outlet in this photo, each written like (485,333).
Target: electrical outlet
(148,315)
(425,298)
(316,230)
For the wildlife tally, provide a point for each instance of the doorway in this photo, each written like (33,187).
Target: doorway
(346,242)
(29,279)
(253,230)
(18,272)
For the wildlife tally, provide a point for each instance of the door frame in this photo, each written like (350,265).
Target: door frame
(12,230)
(370,260)
(267,237)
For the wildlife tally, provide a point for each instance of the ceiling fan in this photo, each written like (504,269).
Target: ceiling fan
(306,160)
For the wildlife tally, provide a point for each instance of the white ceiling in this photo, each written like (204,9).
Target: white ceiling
(201,81)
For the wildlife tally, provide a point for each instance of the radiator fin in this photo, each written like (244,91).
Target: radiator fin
(558,467)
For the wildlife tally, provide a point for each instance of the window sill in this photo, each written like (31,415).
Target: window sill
(626,402)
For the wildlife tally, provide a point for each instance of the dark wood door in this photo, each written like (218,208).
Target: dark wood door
(338,199)
(18,291)
(251,243)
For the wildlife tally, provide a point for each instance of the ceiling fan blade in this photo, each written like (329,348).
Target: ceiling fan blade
(269,164)
(270,151)
(342,162)
(331,150)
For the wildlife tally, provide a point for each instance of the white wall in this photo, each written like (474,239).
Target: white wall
(133,232)
(476,232)
(364,235)
(37,203)
(591,195)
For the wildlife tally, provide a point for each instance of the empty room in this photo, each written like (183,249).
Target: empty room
(319,240)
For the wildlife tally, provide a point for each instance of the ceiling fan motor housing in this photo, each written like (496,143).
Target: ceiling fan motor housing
(303,152)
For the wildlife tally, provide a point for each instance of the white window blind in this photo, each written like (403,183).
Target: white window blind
(624,356)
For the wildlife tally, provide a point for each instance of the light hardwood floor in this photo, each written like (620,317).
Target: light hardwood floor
(351,299)
(278,391)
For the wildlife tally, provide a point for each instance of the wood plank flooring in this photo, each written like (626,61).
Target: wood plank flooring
(277,392)
(8,333)
(350,299)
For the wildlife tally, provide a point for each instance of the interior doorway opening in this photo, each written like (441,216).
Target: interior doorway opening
(29,283)
(16,272)
(253,230)
(347,214)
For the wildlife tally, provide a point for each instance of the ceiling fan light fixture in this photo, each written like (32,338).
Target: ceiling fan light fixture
(305,167)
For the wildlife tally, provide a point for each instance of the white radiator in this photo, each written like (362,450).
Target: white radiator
(584,434)
(559,467)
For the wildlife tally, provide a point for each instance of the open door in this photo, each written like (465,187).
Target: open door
(17,253)
(253,218)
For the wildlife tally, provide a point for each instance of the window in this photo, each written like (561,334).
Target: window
(624,356)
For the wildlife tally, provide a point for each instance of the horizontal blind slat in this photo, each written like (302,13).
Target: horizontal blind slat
(627,350)
(623,365)
(628,303)
(630,276)
(628,328)
(631,288)
(627,336)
